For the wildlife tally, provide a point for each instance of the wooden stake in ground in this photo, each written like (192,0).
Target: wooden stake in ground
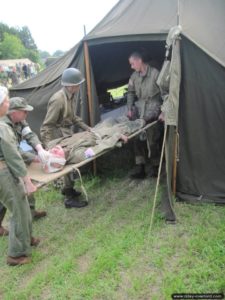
(158,179)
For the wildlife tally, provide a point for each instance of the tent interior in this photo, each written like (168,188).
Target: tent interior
(110,61)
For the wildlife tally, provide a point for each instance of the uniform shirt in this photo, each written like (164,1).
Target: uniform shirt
(22,131)
(143,86)
(9,151)
(60,117)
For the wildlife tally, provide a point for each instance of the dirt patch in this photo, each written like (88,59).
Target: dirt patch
(124,286)
(83,263)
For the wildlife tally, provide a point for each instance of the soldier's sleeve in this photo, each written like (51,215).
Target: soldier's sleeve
(50,121)
(28,135)
(130,93)
(11,154)
(79,122)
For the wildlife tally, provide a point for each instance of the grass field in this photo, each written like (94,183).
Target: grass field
(105,251)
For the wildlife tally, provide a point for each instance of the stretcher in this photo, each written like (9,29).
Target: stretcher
(40,178)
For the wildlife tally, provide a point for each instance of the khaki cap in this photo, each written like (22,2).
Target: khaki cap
(19,103)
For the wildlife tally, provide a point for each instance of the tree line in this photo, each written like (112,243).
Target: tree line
(16,42)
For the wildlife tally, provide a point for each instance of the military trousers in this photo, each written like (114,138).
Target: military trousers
(68,181)
(12,195)
(149,144)
(31,200)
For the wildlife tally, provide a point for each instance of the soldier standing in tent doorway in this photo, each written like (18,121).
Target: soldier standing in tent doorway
(59,122)
(143,88)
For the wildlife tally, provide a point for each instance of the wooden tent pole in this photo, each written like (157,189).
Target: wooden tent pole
(89,94)
(88,79)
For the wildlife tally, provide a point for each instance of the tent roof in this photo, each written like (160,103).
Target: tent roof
(202,22)
(132,17)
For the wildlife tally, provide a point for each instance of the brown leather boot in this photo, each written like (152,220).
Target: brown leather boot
(3,231)
(35,241)
(18,261)
(38,214)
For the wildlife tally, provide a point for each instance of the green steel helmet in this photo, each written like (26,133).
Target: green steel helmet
(72,77)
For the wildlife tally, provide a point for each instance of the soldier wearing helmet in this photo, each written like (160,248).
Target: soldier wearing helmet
(59,122)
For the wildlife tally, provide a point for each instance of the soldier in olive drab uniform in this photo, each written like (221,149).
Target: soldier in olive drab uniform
(15,118)
(14,185)
(59,122)
(142,86)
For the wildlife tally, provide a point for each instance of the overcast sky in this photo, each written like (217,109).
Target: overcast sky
(55,25)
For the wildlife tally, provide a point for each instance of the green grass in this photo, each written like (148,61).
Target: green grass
(105,251)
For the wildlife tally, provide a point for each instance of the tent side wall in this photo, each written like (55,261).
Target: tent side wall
(201,168)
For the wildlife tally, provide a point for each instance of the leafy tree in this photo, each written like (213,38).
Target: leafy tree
(5,28)
(44,54)
(58,53)
(26,38)
(33,55)
(11,47)
(17,43)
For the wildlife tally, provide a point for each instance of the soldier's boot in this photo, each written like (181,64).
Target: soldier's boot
(18,261)
(70,201)
(139,172)
(72,191)
(38,214)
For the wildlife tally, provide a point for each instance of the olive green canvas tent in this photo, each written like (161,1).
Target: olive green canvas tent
(197,79)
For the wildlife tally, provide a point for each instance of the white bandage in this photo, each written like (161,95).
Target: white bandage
(50,167)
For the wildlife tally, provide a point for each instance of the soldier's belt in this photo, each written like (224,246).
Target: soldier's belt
(2,165)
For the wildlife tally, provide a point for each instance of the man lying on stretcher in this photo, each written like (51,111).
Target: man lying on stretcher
(80,146)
